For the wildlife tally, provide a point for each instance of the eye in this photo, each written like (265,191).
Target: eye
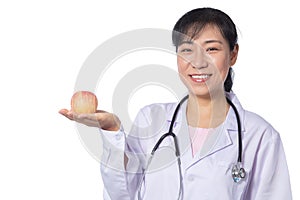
(212,49)
(186,50)
(186,47)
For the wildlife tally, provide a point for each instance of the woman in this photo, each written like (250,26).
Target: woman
(206,128)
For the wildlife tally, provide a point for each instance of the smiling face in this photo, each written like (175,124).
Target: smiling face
(204,62)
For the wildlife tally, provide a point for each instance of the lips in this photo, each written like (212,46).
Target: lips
(200,78)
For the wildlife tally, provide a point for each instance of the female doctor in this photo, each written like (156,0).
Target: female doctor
(214,150)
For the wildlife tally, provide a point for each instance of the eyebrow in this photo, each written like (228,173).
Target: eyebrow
(206,42)
(186,42)
(213,41)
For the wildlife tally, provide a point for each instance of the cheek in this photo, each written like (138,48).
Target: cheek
(181,64)
(223,66)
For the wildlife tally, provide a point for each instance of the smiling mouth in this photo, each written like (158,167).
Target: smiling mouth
(200,78)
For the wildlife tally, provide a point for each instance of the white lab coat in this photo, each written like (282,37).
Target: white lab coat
(208,174)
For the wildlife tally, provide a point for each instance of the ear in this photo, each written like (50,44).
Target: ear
(234,54)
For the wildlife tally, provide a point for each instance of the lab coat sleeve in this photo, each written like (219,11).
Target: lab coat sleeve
(269,179)
(112,165)
(120,182)
(136,150)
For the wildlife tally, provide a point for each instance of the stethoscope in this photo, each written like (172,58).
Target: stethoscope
(238,172)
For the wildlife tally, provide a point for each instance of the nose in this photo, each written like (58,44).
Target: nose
(200,59)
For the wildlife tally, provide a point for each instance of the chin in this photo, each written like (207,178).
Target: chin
(200,92)
(206,93)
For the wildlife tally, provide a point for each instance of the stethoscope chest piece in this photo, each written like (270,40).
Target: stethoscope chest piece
(238,173)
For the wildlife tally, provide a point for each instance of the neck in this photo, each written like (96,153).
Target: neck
(207,112)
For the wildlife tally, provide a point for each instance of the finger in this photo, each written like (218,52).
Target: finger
(68,114)
(63,111)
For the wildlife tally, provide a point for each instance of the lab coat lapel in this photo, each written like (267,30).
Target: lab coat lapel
(226,130)
(221,137)
(222,140)
(217,141)
(182,134)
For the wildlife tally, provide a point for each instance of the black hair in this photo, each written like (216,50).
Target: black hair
(191,23)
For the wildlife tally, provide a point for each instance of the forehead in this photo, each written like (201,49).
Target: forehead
(208,32)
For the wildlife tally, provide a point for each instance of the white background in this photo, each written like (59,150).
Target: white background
(44,43)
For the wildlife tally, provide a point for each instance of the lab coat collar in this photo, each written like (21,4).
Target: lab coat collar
(230,123)
(224,140)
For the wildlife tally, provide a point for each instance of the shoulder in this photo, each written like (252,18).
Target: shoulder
(251,118)
(259,126)
(154,112)
(159,108)
(252,123)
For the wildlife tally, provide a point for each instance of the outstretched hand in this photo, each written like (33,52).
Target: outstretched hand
(101,119)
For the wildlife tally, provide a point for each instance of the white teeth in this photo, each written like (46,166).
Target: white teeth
(202,76)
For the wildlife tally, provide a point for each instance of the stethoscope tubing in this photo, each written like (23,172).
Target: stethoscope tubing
(170,132)
(177,150)
(238,120)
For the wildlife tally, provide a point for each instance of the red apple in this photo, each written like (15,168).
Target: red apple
(84,102)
